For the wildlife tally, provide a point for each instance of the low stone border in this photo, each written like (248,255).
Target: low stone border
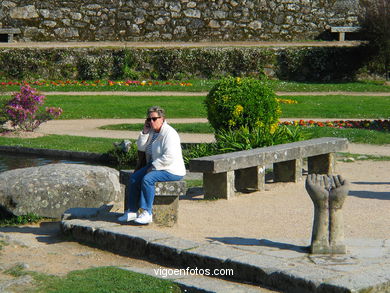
(282,265)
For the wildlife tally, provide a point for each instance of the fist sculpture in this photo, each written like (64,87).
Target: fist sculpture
(328,194)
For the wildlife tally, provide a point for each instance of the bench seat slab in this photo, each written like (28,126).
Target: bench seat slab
(288,171)
(219,185)
(10,33)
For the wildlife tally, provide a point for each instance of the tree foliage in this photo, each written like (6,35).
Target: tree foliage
(376,25)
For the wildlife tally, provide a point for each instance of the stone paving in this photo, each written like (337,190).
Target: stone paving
(280,264)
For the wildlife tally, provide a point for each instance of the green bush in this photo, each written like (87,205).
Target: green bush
(234,103)
(199,150)
(323,64)
(122,159)
(299,64)
(245,139)
(375,19)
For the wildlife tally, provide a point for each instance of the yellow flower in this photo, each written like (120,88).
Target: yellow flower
(279,110)
(231,122)
(237,110)
(286,101)
(225,98)
(273,128)
(238,80)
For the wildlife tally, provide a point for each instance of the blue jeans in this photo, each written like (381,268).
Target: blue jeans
(142,187)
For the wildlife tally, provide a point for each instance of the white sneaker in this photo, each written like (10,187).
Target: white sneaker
(144,218)
(127,217)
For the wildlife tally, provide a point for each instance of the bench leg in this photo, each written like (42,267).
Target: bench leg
(288,171)
(250,179)
(219,185)
(322,164)
(341,36)
(10,38)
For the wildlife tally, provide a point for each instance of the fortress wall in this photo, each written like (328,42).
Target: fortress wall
(176,20)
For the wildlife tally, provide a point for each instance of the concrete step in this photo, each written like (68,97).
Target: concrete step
(282,265)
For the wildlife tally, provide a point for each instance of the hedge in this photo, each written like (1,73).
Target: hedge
(299,64)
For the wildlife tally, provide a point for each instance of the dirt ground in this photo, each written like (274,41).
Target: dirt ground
(283,212)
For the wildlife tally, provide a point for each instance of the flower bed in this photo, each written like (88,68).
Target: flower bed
(381,125)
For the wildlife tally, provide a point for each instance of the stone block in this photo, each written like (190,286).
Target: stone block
(288,171)
(250,179)
(220,185)
(321,164)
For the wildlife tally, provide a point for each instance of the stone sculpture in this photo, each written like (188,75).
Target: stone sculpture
(328,194)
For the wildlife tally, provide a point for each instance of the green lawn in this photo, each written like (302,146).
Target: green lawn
(180,127)
(81,107)
(63,142)
(337,107)
(97,280)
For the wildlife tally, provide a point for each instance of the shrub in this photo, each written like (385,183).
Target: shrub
(234,103)
(244,139)
(124,158)
(25,112)
(375,18)
(199,150)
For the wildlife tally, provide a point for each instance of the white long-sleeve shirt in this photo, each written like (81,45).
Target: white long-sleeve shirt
(166,150)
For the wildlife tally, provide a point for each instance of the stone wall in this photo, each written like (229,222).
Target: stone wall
(175,20)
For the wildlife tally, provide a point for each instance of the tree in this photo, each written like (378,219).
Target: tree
(376,26)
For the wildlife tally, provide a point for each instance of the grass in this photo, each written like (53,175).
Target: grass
(84,107)
(2,244)
(337,107)
(201,85)
(358,86)
(180,127)
(20,220)
(346,157)
(63,142)
(80,107)
(194,183)
(97,280)
(353,135)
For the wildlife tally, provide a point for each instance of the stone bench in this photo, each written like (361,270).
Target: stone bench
(344,29)
(166,200)
(7,34)
(225,174)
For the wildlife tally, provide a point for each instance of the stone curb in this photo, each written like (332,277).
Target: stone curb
(281,266)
